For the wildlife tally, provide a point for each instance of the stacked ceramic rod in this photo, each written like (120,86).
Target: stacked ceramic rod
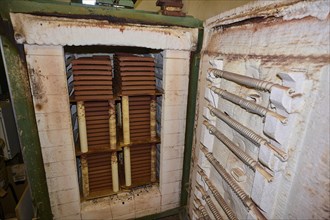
(136,81)
(92,80)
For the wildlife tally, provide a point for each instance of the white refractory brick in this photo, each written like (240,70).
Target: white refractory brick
(122,206)
(175,67)
(171,176)
(44,50)
(174,112)
(55,103)
(62,183)
(207,139)
(171,188)
(148,199)
(277,130)
(176,54)
(174,126)
(67,209)
(172,152)
(217,63)
(211,97)
(263,192)
(172,164)
(47,85)
(169,207)
(170,199)
(70,217)
(56,154)
(96,209)
(172,98)
(203,163)
(44,62)
(146,212)
(268,158)
(176,82)
(62,168)
(207,115)
(54,138)
(52,121)
(281,99)
(65,196)
(173,140)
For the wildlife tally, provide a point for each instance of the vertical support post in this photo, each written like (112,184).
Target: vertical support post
(84,175)
(190,120)
(114,169)
(20,94)
(153,130)
(82,127)
(127,140)
(113,146)
(153,163)
(112,126)
(153,135)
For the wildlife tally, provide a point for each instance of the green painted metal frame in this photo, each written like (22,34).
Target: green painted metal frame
(22,100)
(20,93)
(53,8)
(190,120)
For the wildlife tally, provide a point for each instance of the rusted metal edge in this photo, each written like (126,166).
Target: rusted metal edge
(110,14)
(288,9)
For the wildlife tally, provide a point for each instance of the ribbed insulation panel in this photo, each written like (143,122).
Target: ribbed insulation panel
(97,124)
(139,117)
(99,172)
(135,75)
(141,164)
(92,78)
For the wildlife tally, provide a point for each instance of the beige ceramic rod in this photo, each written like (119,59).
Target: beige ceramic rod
(127,153)
(82,127)
(112,126)
(153,131)
(114,170)
(84,176)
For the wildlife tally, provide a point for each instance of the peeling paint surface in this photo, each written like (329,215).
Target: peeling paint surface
(42,30)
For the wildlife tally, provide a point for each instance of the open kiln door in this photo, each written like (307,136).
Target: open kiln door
(261,139)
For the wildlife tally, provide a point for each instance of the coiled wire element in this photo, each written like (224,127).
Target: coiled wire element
(248,105)
(253,164)
(231,215)
(247,201)
(201,208)
(209,202)
(248,133)
(249,81)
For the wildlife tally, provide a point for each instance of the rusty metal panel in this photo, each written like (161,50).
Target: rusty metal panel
(139,117)
(92,78)
(141,164)
(135,75)
(97,123)
(99,172)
